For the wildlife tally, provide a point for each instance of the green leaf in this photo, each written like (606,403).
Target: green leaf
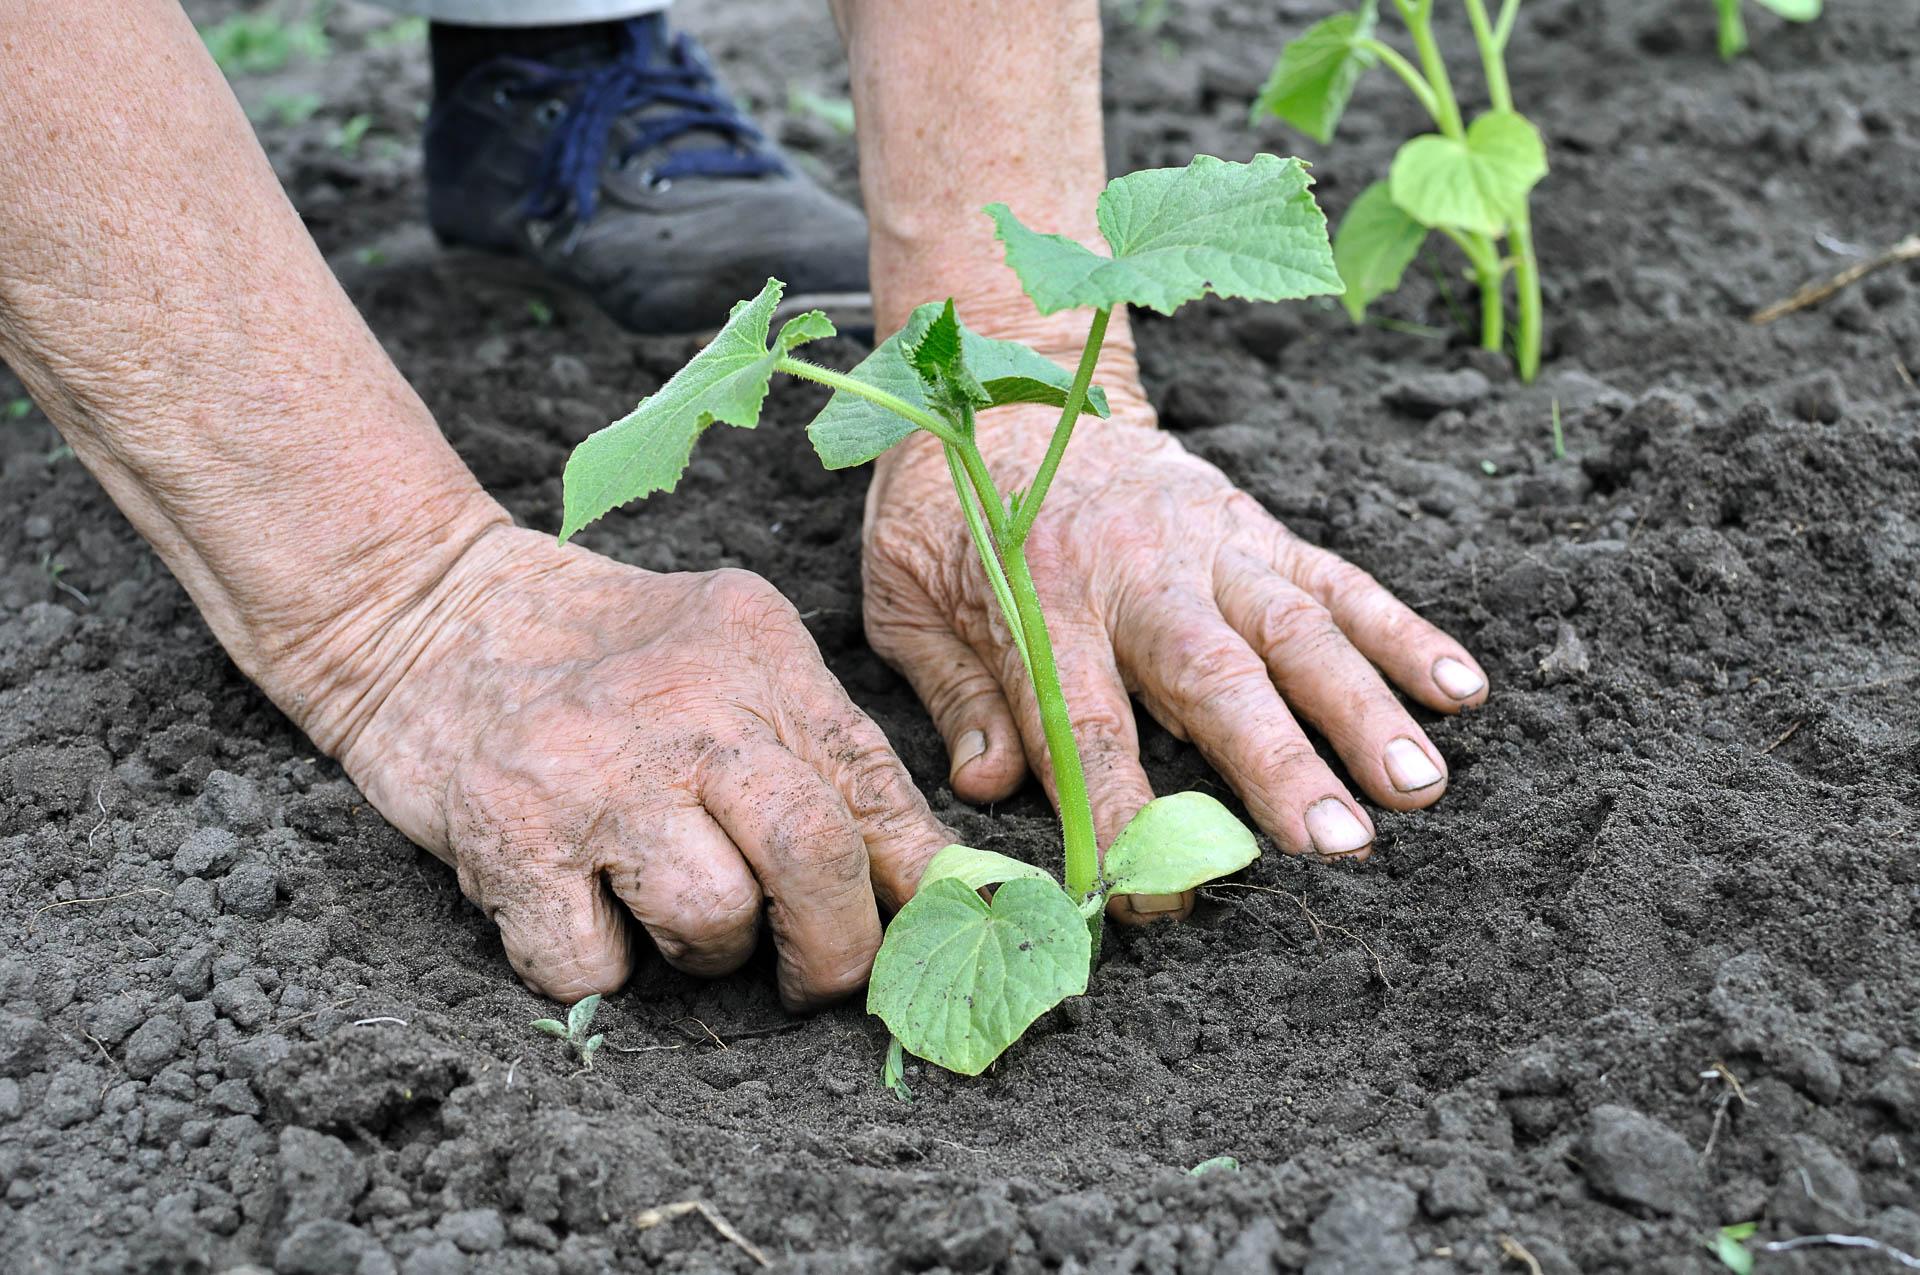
(940,357)
(1730,1247)
(1793,10)
(977,868)
(551,1026)
(851,431)
(1374,246)
(589,1049)
(1316,73)
(1218,1164)
(1176,843)
(959,980)
(1236,230)
(582,1014)
(648,449)
(893,1072)
(1733,29)
(1478,184)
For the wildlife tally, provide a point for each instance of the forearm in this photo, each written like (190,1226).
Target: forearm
(960,105)
(162,301)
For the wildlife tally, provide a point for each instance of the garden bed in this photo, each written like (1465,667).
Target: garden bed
(1650,968)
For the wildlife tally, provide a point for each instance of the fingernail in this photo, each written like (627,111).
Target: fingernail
(1335,829)
(966,748)
(1153,904)
(1456,679)
(1409,766)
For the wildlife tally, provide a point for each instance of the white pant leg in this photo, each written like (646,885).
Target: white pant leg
(525,13)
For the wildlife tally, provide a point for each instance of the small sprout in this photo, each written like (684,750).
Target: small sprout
(574,1030)
(400,32)
(540,312)
(1218,1164)
(893,1072)
(18,409)
(835,112)
(1488,468)
(262,42)
(289,109)
(1559,438)
(1173,235)
(1730,1246)
(347,138)
(1733,28)
(370,256)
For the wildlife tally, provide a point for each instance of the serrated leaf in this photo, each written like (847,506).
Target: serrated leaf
(648,449)
(977,868)
(1236,230)
(852,431)
(1176,843)
(1477,184)
(551,1026)
(581,1015)
(958,979)
(1373,247)
(1793,10)
(940,358)
(1314,78)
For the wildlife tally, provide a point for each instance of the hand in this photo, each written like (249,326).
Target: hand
(1158,578)
(579,737)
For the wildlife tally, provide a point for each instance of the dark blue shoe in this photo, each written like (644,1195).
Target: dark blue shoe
(633,176)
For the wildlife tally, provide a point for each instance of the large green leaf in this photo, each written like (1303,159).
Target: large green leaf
(1375,244)
(958,979)
(1315,75)
(647,450)
(1477,184)
(1236,230)
(977,868)
(1176,843)
(852,431)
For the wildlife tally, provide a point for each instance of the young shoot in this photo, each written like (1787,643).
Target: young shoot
(1733,27)
(960,977)
(574,1030)
(1469,180)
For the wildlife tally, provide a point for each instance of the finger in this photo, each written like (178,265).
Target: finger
(563,934)
(811,862)
(984,758)
(1203,681)
(685,881)
(1332,685)
(1109,743)
(852,754)
(1421,660)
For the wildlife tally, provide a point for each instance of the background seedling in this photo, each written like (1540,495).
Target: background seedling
(574,1030)
(1733,28)
(266,39)
(958,978)
(1470,180)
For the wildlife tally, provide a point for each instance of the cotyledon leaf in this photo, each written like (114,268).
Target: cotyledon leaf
(1236,230)
(1314,78)
(648,449)
(1477,184)
(851,431)
(1175,843)
(1373,247)
(958,979)
(977,868)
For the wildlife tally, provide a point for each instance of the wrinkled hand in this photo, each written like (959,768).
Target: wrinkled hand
(1158,578)
(581,738)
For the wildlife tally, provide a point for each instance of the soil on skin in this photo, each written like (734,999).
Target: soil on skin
(1649,969)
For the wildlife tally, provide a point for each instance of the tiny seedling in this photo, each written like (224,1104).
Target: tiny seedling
(835,112)
(893,1072)
(1216,1164)
(19,408)
(574,1030)
(263,41)
(1733,27)
(959,978)
(347,138)
(1469,181)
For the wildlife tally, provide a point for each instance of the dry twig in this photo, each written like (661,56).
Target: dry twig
(646,1219)
(106,898)
(1907,249)
(1514,1251)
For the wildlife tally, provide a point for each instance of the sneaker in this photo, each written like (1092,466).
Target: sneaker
(634,177)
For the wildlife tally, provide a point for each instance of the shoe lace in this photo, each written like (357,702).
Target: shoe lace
(654,71)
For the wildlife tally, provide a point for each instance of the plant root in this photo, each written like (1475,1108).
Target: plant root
(1320,927)
(1813,294)
(647,1219)
(1514,1251)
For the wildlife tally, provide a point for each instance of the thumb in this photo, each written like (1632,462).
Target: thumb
(985,760)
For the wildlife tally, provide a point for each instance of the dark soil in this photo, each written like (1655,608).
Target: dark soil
(1681,846)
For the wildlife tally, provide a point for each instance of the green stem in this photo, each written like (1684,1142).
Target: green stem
(1069,781)
(1407,72)
(893,403)
(1526,287)
(1489,275)
(1491,61)
(1446,111)
(989,556)
(1057,445)
(1503,28)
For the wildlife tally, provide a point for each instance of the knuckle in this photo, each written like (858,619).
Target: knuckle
(1295,622)
(1201,664)
(1285,761)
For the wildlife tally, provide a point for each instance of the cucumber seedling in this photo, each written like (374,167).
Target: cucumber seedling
(1733,27)
(1469,181)
(574,1030)
(958,978)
